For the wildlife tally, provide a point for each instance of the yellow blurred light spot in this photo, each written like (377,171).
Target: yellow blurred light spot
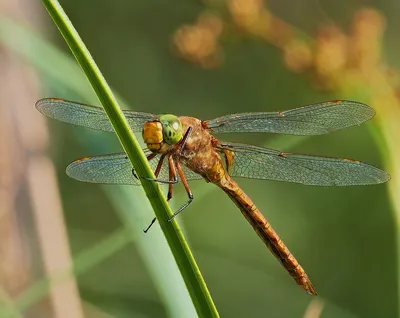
(297,55)
(331,51)
(367,28)
(248,14)
(199,42)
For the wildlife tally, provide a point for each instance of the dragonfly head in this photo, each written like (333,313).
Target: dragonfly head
(162,132)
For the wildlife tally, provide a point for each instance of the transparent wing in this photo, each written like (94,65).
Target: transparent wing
(263,163)
(116,169)
(313,119)
(87,115)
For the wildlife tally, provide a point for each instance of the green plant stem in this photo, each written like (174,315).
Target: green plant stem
(190,272)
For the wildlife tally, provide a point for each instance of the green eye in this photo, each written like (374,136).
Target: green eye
(172,129)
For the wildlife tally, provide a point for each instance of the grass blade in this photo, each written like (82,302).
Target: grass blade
(190,272)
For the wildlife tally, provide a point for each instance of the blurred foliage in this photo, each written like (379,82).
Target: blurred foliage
(210,58)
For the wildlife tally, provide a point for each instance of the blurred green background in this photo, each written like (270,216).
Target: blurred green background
(345,238)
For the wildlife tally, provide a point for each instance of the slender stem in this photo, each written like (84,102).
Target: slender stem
(190,272)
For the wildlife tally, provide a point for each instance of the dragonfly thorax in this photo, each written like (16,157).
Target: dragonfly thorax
(163,132)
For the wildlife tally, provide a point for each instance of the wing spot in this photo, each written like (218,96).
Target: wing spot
(55,99)
(351,160)
(82,159)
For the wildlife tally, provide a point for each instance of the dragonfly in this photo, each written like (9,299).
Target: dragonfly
(185,148)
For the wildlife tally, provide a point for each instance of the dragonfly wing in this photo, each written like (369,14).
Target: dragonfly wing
(313,119)
(263,163)
(115,169)
(87,115)
(190,175)
(108,169)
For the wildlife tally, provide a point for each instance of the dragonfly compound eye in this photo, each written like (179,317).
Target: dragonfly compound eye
(172,129)
(152,135)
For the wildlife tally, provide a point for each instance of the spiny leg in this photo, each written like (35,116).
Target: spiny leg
(185,138)
(150,225)
(185,184)
(159,165)
(172,176)
(149,157)
(157,171)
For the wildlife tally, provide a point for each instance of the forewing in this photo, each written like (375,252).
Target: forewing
(87,115)
(313,119)
(263,163)
(107,169)
(116,169)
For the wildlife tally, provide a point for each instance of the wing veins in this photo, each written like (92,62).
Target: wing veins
(326,171)
(314,119)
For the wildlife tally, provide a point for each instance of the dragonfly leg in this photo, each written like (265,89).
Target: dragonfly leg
(150,225)
(172,176)
(173,181)
(184,140)
(185,184)
(157,171)
(149,157)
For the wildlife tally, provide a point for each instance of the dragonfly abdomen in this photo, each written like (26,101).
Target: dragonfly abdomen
(267,234)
